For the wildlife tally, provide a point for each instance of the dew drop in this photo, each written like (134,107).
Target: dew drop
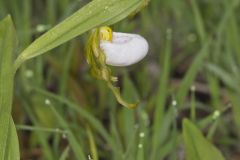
(29,73)
(193,88)
(140,145)
(174,102)
(141,135)
(216,114)
(64,136)
(47,102)
(89,157)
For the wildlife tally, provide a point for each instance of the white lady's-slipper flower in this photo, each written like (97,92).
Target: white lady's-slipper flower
(122,49)
(105,47)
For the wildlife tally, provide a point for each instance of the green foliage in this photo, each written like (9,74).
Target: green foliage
(68,114)
(96,13)
(8,137)
(158,125)
(197,147)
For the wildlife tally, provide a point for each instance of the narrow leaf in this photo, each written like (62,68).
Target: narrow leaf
(65,153)
(196,145)
(192,72)
(7,132)
(12,143)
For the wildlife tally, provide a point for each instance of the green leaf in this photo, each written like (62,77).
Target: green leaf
(92,143)
(94,14)
(227,78)
(159,118)
(93,121)
(73,142)
(192,72)
(65,153)
(198,21)
(196,145)
(8,136)
(12,143)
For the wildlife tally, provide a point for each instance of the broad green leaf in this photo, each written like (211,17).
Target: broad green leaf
(8,142)
(196,145)
(94,14)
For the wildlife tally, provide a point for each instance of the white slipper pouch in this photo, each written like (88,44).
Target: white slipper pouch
(125,49)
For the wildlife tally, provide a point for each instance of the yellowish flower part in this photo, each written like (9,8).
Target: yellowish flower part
(106,33)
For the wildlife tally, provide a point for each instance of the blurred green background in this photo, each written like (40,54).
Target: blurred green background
(191,71)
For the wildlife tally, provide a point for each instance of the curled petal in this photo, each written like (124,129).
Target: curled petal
(124,49)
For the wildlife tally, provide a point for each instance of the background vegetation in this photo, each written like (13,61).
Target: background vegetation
(191,71)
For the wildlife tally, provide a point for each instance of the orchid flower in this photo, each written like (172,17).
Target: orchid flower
(106,47)
(122,49)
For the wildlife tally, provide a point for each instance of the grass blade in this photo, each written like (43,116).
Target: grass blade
(191,73)
(65,154)
(8,136)
(161,98)
(12,143)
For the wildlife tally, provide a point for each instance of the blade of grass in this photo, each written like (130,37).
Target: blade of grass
(41,136)
(115,134)
(40,129)
(131,147)
(92,144)
(66,67)
(65,153)
(198,21)
(191,73)
(227,78)
(232,30)
(128,116)
(51,12)
(163,134)
(162,96)
(12,144)
(76,147)
(236,109)
(90,118)
(8,134)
